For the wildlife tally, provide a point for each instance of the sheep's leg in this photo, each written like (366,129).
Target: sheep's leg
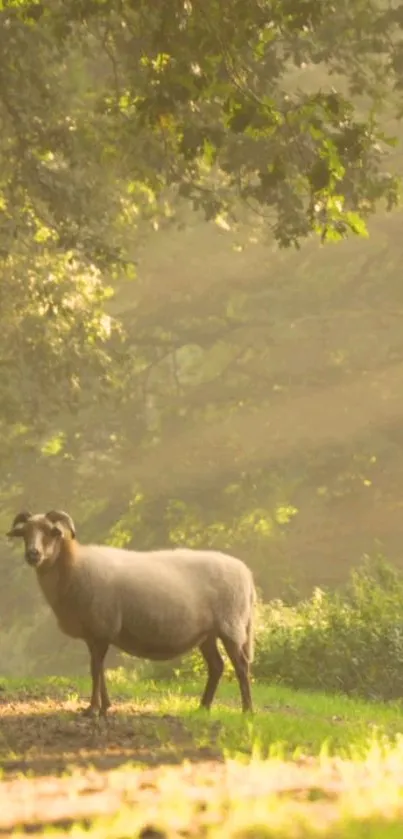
(105,701)
(240,663)
(215,668)
(98,650)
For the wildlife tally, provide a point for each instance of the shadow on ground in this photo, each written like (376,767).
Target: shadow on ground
(49,738)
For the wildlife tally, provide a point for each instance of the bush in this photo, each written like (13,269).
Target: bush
(349,641)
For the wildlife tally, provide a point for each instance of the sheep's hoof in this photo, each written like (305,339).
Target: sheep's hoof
(93,712)
(90,712)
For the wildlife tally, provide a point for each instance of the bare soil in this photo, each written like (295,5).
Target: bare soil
(43,739)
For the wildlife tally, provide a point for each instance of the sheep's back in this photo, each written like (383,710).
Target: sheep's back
(175,592)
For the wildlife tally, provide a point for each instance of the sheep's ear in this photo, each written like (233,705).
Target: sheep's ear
(20,520)
(16,531)
(60,517)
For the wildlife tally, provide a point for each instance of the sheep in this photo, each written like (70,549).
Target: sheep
(154,605)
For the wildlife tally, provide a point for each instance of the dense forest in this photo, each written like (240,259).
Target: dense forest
(200,291)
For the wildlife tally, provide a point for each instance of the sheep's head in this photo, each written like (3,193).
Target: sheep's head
(42,534)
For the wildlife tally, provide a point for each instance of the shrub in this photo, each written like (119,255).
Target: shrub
(349,641)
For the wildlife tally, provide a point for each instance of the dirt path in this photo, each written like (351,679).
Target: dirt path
(187,798)
(49,737)
(44,739)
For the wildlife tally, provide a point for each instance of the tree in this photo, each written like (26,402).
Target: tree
(168,420)
(208,97)
(211,99)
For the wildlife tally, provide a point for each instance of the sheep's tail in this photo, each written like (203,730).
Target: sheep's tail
(250,627)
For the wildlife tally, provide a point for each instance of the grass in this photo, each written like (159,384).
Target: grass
(305,764)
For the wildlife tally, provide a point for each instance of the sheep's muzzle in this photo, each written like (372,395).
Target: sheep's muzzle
(33,556)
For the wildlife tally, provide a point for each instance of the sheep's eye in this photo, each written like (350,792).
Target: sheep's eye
(55,531)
